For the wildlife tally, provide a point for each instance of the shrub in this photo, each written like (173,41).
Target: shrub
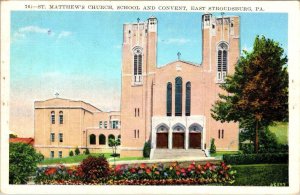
(147,149)
(23,161)
(212,149)
(95,168)
(256,158)
(87,151)
(71,153)
(77,151)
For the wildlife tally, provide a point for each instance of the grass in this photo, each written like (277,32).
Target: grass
(81,157)
(261,174)
(70,159)
(221,153)
(281,131)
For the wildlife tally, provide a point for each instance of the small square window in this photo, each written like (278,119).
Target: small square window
(105,124)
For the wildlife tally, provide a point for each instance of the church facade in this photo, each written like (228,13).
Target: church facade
(169,106)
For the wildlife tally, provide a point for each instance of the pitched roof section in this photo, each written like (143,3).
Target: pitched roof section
(65,103)
(29,140)
(182,61)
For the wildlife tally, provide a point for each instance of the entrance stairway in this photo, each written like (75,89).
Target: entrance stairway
(178,154)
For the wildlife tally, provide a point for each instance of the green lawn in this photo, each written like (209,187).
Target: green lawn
(261,174)
(70,159)
(81,157)
(219,154)
(281,131)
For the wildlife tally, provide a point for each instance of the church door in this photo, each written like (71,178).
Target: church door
(162,140)
(195,140)
(178,140)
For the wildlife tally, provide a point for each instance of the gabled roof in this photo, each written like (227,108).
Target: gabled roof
(182,61)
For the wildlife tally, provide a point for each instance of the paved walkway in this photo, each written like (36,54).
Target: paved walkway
(178,154)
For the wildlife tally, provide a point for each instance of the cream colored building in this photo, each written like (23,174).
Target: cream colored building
(168,106)
(61,125)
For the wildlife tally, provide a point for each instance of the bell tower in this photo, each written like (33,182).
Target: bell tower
(138,70)
(220,44)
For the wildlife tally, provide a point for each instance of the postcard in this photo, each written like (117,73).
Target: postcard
(149,97)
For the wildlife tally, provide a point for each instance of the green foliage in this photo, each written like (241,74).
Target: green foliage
(71,153)
(87,151)
(12,135)
(261,174)
(23,161)
(113,143)
(147,149)
(77,151)
(212,149)
(95,168)
(257,93)
(240,159)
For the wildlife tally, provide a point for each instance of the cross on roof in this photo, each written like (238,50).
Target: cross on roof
(56,94)
(138,20)
(178,55)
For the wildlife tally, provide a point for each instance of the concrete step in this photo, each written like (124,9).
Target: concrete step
(177,153)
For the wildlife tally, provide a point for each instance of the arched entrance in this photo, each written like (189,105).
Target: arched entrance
(178,136)
(195,136)
(162,136)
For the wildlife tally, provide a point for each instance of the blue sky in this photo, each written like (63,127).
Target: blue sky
(78,54)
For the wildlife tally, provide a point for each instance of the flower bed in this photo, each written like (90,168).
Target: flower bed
(141,174)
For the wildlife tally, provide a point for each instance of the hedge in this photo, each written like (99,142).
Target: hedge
(239,159)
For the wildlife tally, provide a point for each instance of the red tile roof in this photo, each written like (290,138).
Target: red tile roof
(22,140)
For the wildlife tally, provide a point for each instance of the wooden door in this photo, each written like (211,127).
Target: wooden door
(162,140)
(195,140)
(178,140)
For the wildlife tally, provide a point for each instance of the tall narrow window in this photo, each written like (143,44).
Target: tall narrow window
(52,137)
(105,124)
(92,139)
(137,64)
(138,133)
(52,117)
(219,133)
(188,99)
(60,136)
(178,96)
(100,124)
(60,154)
(61,117)
(222,133)
(222,61)
(169,99)
(51,154)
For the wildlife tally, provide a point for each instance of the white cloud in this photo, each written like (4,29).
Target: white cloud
(178,41)
(64,34)
(34,29)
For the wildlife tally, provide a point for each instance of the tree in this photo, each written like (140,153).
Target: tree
(257,93)
(212,149)
(113,143)
(23,161)
(77,151)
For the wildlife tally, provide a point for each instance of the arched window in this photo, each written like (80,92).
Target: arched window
(102,139)
(61,117)
(169,99)
(111,137)
(222,61)
(137,64)
(119,138)
(188,99)
(52,117)
(92,139)
(178,96)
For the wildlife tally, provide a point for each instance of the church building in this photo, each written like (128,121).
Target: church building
(169,106)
